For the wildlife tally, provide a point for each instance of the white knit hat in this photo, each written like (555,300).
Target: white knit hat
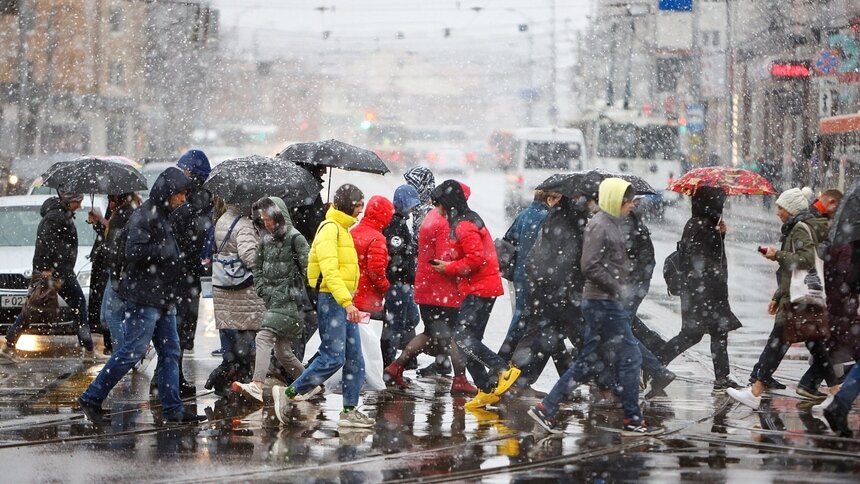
(793,201)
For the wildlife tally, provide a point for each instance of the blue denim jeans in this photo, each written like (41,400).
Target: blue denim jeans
(517,328)
(483,363)
(142,325)
(609,343)
(73,295)
(401,318)
(112,313)
(340,347)
(850,388)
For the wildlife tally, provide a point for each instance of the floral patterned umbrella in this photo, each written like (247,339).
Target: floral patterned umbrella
(735,181)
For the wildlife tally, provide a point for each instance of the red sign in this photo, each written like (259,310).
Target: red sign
(789,69)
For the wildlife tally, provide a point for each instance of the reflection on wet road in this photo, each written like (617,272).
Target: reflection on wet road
(424,432)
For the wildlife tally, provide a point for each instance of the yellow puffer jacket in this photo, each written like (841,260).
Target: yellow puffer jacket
(333,253)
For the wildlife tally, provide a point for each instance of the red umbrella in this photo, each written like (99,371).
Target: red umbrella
(735,181)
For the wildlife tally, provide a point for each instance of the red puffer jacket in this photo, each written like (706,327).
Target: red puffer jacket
(372,250)
(475,262)
(431,287)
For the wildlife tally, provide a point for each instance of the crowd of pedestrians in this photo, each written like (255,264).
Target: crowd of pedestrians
(582,265)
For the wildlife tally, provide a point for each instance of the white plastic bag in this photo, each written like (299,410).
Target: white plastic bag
(807,285)
(372,352)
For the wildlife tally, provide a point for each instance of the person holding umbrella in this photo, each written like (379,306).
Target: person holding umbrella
(333,270)
(54,258)
(151,298)
(705,307)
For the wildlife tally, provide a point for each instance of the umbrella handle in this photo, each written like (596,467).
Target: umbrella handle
(328,196)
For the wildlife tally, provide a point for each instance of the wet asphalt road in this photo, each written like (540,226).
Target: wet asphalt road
(425,433)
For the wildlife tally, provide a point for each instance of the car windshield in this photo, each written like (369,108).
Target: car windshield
(548,155)
(20,224)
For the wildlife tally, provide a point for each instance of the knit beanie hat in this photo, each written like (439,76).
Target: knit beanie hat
(793,201)
(347,197)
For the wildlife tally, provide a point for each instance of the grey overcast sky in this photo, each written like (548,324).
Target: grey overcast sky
(278,25)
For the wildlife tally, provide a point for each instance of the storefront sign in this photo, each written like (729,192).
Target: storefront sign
(789,69)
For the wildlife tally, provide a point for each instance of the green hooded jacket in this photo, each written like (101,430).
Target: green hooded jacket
(281,260)
(801,257)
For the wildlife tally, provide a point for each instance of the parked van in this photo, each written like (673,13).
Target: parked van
(539,153)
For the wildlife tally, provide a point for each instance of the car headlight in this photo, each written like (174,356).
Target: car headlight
(13,179)
(84,278)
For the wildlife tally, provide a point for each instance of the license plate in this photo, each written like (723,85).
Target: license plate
(13,301)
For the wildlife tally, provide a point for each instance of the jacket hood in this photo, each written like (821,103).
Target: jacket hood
(196,162)
(170,182)
(405,199)
(378,212)
(52,204)
(422,179)
(708,202)
(277,210)
(611,195)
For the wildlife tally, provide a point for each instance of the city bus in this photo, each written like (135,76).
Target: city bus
(628,142)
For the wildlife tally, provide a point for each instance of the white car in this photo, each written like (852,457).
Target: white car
(19,219)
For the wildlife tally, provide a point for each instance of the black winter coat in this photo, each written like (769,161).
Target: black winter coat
(705,293)
(553,264)
(640,249)
(153,262)
(98,276)
(191,223)
(307,218)
(402,251)
(56,240)
(115,241)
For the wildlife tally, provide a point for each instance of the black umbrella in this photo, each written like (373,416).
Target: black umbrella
(640,186)
(572,184)
(587,183)
(334,154)
(846,223)
(245,180)
(109,175)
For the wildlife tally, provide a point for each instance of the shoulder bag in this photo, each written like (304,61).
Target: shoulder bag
(230,273)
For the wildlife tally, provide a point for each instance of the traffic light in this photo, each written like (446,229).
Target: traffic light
(369,118)
(682,125)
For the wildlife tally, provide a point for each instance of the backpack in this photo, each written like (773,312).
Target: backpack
(673,272)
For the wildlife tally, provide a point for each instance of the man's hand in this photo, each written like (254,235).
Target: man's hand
(772,307)
(353,315)
(770,254)
(722,227)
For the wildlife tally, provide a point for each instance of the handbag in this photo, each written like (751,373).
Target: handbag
(506,252)
(42,306)
(230,273)
(298,285)
(807,285)
(806,322)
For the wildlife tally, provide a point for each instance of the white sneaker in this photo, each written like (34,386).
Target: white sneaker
(248,389)
(282,403)
(354,418)
(819,409)
(745,396)
(9,356)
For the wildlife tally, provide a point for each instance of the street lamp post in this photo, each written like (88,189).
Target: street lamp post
(526,28)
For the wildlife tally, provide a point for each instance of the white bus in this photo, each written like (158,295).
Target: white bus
(627,142)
